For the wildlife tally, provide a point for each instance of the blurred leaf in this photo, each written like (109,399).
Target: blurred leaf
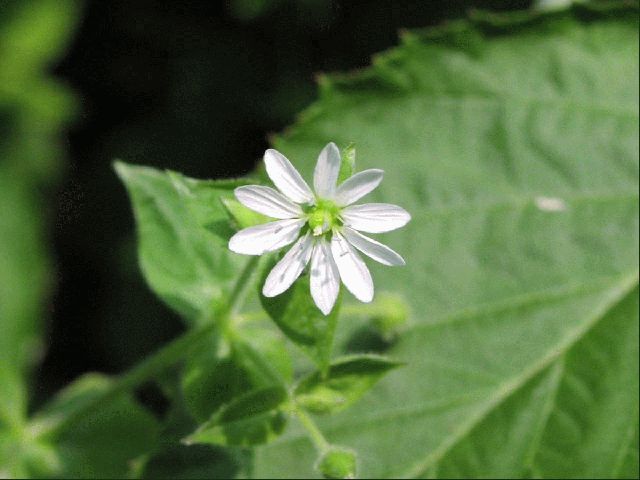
(247,10)
(338,463)
(391,315)
(513,142)
(183,230)
(348,379)
(252,419)
(33,111)
(103,444)
(32,35)
(193,461)
(301,320)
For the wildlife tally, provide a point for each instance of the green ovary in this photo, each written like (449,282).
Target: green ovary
(323,216)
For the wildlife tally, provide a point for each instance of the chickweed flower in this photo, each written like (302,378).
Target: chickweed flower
(324,224)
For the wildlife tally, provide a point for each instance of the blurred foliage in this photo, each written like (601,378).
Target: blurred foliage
(34,109)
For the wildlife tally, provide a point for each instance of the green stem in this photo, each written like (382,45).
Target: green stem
(316,436)
(155,364)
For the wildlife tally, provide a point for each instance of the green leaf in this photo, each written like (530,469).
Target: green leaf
(513,142)
(347,380)
(183,230)
(263,355)
(348,163)
(301,320)
(257,359)
(210,382)
(251,419)
(337,463)
(105,443)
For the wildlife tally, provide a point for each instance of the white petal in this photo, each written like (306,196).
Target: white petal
(325,279)
(266,238)
(289,268)
(267,201)
(286,177)
(325,176)
(357,186)
(376,250)
(375,217)
(353,272)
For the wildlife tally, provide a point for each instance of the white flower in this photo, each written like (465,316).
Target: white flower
(323,224)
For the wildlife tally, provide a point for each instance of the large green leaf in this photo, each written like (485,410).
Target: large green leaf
(183,230)
(513,142)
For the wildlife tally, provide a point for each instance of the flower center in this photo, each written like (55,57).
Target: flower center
(323,216)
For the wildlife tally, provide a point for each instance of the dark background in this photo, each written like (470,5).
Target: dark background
(195,86)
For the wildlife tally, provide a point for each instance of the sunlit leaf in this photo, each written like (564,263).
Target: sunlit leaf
(183,230)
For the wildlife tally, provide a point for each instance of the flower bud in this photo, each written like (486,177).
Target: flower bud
(391,316)
(338,462)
